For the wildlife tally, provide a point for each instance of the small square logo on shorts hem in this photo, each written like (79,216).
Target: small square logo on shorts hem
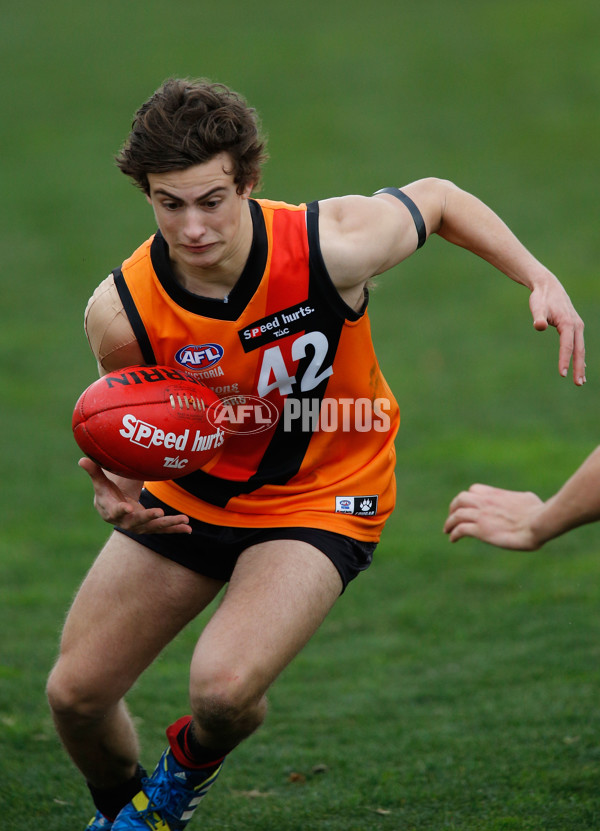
(356,505)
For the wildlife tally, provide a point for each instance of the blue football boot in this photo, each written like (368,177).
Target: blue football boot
(168,798)
(99,823)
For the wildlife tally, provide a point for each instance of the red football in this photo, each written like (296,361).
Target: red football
(147,422)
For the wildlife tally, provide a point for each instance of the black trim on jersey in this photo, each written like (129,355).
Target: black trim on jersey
(287,448)
(139,330)
(241,293)
(414,212)
(319,269)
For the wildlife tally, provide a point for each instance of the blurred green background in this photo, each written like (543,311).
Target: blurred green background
(500,97)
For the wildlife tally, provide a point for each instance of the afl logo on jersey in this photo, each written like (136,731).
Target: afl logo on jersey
(203,356)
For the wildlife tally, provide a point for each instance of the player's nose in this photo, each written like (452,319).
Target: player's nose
(194,226)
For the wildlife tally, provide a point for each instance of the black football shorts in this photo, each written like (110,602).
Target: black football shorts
(213,550)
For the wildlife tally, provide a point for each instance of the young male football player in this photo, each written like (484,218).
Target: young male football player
(266,300)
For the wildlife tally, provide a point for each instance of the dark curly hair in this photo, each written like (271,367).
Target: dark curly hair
(188,122)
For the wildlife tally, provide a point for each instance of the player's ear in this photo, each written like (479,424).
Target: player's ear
(247,192)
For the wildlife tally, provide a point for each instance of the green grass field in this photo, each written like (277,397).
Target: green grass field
(453,687)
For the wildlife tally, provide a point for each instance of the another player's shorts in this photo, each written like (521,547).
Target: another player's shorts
(213,550)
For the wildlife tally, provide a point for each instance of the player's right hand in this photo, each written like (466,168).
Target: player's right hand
(117,501)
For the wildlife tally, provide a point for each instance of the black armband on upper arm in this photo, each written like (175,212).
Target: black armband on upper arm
(414,212)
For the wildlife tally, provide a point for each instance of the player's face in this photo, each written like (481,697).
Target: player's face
(203,219)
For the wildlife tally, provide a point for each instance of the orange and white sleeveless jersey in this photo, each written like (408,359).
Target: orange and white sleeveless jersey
(308,419)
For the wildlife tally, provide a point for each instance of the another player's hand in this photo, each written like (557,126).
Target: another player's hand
(118,505)
(550,306)
(499,517)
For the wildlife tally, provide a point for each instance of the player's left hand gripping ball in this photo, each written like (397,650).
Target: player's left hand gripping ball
(147,423)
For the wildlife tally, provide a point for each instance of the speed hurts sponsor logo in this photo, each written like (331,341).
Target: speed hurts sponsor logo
(356,505)
(199,356)
(268,329)
(147,435)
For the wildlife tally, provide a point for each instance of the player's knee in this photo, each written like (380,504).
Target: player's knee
(71,699)
(227,706)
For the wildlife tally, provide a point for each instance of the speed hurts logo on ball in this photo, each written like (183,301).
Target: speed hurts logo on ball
(147,422)
(145,435)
